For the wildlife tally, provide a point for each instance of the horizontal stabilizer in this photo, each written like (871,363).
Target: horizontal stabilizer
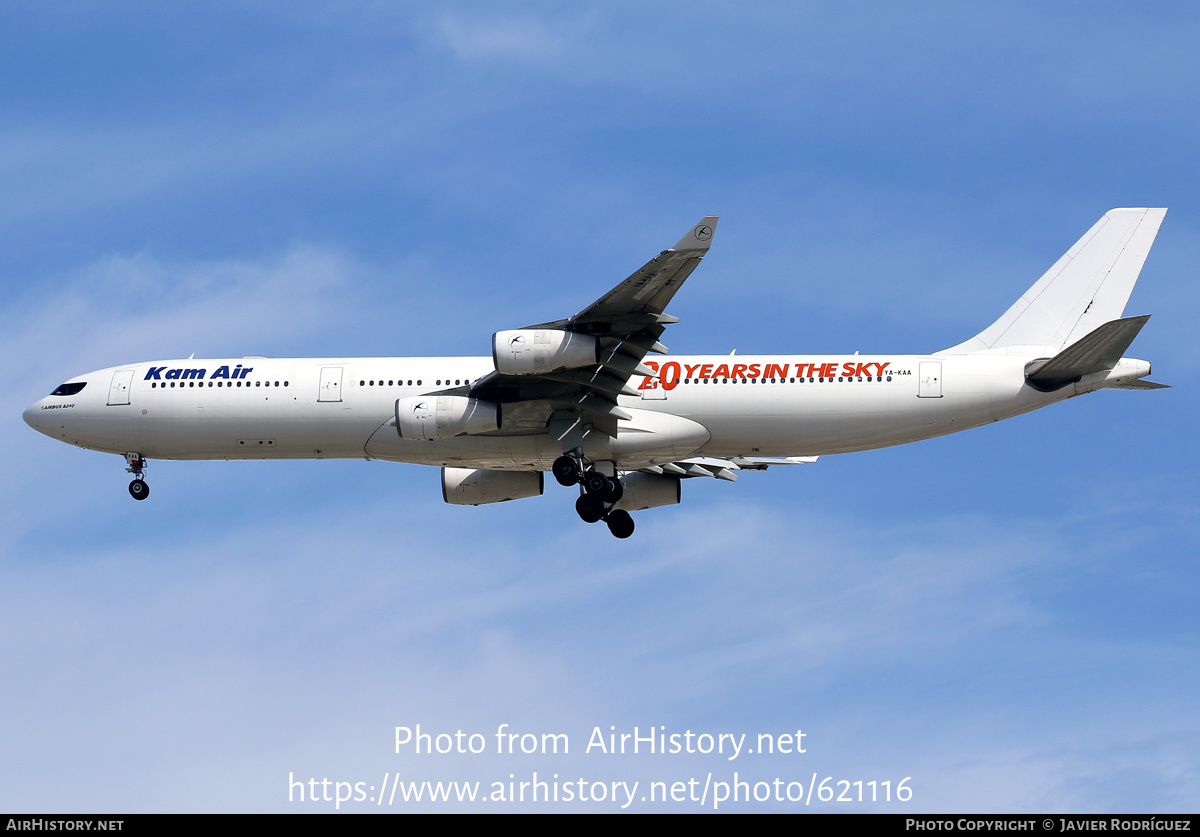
(1097,352)
(1142,384)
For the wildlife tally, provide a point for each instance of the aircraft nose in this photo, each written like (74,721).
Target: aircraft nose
(32,415)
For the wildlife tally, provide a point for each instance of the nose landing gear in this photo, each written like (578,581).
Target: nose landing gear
(600,493)
(136,465)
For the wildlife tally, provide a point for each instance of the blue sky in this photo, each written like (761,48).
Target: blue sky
(1005,615)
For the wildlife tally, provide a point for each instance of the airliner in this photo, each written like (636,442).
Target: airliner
(583,399)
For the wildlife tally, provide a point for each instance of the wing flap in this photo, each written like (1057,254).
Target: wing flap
(722,468)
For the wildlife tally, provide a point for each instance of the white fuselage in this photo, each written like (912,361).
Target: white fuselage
(711,405)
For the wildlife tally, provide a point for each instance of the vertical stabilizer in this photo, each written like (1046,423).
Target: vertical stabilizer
(1086,288)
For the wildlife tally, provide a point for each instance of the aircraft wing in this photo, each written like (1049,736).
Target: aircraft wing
(634,304)
(723,468)
(628,321)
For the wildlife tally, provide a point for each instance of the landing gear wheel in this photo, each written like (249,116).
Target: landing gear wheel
(590,508)
(620,523)
(138,489)
(614,491)
(595,482)
(565,470)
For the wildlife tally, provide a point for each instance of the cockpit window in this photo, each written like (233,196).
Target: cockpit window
(70,389)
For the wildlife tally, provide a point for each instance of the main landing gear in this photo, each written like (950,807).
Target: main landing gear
(600,492)
(136,465)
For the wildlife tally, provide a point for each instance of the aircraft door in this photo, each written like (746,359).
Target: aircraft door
(651,391)
(118,391)
(651,388)
(331,384)
(930,379)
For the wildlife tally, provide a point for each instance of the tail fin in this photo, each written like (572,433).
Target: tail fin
(1086,288)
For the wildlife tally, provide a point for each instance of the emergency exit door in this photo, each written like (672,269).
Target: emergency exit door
(331,384)
(118,391)
(930,379)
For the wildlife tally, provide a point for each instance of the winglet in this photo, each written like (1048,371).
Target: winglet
(700,236)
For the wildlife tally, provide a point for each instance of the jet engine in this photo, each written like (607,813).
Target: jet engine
(648,491)
(427,417)
(470,487)
(532,351)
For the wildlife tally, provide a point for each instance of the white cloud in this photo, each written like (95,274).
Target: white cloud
(138,306)
(216,661)
(256,618)
(525,39)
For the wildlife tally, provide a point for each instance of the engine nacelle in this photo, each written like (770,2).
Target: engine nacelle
(648,491)
(470,487)
(427,417)
(532,351)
